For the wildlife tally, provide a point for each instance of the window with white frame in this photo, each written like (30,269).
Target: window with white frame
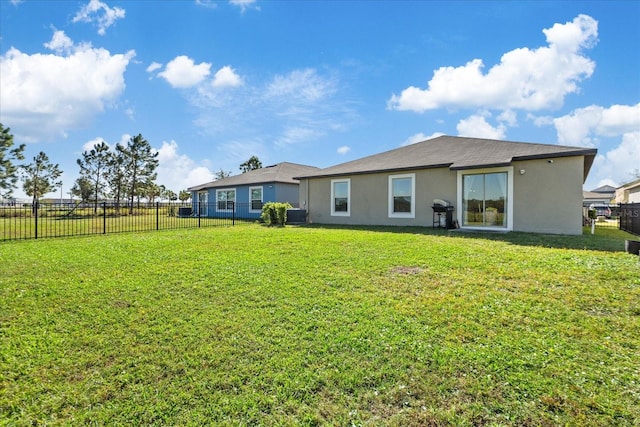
(255,196)
(402,196)
(340,197)
(225,199)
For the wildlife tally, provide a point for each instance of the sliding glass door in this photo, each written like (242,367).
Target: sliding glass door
(484,199)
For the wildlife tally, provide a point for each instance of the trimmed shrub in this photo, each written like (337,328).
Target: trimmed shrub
(275,213)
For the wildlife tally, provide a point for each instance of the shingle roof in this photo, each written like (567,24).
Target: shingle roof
(604,189)
(455,153)
(282,172)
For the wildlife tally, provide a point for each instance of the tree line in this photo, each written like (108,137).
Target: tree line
(125,174)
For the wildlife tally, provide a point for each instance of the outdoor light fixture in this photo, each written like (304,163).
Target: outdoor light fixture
(522,171)
(550,161)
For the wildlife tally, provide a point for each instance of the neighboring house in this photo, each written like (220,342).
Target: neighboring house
(15,202)
(629,192)
(9,201)
(599,196)
(492,185)
(243,195)
(590,198)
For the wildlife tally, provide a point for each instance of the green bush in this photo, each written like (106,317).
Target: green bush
(275,213)
(13,212)
(268,215)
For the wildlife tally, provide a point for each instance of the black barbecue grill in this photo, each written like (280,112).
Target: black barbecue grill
(442,210)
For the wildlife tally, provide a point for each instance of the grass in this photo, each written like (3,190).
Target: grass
(320,325)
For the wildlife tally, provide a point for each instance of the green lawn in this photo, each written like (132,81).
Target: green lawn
(320,326)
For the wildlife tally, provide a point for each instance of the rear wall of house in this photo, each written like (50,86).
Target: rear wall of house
(370,195)
(548,196)
(286,193)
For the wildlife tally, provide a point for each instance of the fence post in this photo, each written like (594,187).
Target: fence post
(104,217)
(35,209)
(198,206)
(157,216)
(233,213)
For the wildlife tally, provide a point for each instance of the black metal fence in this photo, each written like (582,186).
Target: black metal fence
(630,218)
(35,221)
(606,216)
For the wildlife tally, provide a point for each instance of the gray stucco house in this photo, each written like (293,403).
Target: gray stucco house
(243,195)
(490,184)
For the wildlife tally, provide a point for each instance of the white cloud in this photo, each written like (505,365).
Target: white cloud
(295,135)
(540,121)
(177,171)
(234,152)
(478,127)
(619,119)
(182,72)
(124,139)
(619,164)
(343,150)
(153,67)
(301,86)
(130,113)
(569,37)
(207,3)
(296,107)
(509,117)
(99,13)
(45,95)
(88,146)
(60,43)
(576,128)
(419,137)
(524,79)
(226,77)
(584,126)
(244,4)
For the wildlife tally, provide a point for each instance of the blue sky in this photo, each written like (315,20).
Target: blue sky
(211,83)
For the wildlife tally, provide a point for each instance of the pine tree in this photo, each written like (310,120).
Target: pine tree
(93,167)
(8,170)
(40,177)
(140,162)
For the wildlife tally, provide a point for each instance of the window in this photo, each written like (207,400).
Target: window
(486,198)
(340,197)
(255,195)
(202,203)
(225,199)
(402,195)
